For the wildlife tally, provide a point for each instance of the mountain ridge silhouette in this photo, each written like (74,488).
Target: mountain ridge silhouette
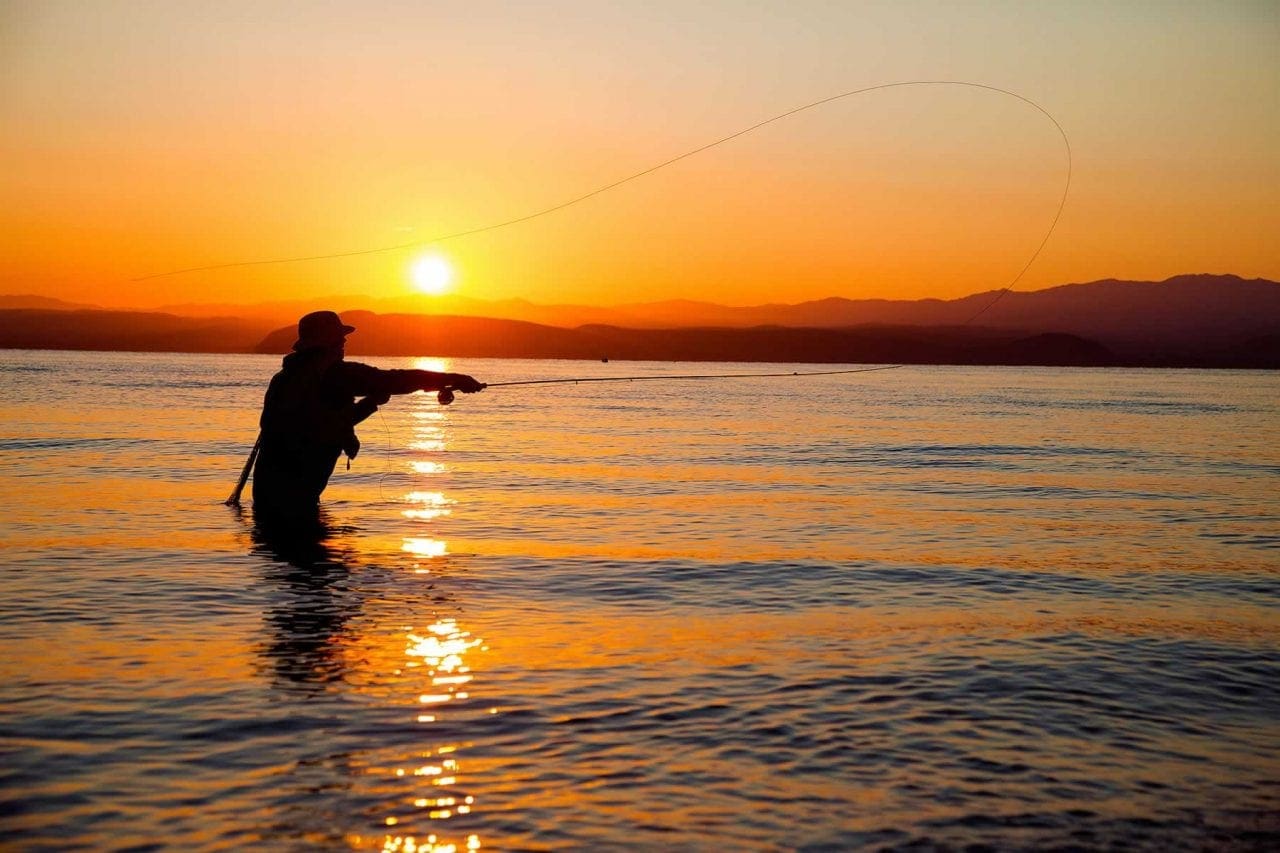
(1189,320)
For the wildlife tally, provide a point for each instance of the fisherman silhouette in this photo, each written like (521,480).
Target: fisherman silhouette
(310,413)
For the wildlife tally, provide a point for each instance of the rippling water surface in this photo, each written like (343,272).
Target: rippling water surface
(1024,608)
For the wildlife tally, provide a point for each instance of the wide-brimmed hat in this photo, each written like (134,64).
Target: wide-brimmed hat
(321,329)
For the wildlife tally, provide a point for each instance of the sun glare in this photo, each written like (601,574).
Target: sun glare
(431,274)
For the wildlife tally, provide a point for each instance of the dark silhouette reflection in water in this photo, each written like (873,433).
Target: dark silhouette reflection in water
(309,605)
(313,601)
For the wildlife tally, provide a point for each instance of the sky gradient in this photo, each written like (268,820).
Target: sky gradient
(142,137)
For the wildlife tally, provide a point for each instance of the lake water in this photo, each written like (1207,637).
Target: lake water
(929,606)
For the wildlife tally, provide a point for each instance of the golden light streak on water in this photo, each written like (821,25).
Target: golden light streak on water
(428,498)
(433,505)
(437,652)
(424,547)
(436,365)
(451,679)
(425,514)
(432,844)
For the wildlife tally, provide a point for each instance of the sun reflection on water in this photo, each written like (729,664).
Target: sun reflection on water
(424,546)
(429,435)
(439,653)
(439,365)
(438,657)
(430,844)
(434,505)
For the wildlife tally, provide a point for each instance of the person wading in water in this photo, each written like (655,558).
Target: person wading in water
(311,410)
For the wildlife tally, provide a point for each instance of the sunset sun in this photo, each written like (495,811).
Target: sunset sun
(431,274)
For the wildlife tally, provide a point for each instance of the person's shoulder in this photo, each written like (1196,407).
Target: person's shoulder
(354,373)
(356,368)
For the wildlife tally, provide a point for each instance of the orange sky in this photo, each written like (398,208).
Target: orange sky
(141,137)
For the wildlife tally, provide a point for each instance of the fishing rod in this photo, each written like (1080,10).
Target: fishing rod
(445,396)
(234,500)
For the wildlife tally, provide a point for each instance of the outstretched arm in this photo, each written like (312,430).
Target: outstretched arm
(366,381)
(456,381)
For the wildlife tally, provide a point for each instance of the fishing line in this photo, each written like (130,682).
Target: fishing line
(664,164)
(387,468)
(788,374)
(1062,203)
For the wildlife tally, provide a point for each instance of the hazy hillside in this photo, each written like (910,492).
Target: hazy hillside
(1194,320)
(1199,308)
(469,337)
(48,303)
(1150,318)
(1220,307)
(126,330)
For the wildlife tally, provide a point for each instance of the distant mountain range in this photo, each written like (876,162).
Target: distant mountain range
(1190,320)
(129,331)
(469,337)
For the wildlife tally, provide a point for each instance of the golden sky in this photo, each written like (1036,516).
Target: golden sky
(140,137)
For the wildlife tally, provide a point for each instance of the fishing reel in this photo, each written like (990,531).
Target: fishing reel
(445,396)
